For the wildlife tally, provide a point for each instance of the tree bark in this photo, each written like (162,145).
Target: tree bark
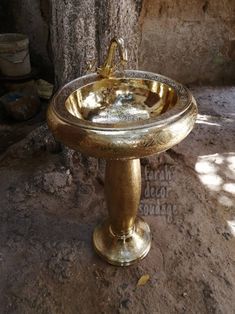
(82,29)
(80,32)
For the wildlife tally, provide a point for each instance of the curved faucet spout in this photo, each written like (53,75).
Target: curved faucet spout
(107,69)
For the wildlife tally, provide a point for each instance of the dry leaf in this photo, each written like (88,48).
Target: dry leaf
(143,280)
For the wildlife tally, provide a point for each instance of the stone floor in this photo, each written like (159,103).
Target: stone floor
(51,201)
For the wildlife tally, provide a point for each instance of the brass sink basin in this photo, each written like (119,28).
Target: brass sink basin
(122,117)
(133,116)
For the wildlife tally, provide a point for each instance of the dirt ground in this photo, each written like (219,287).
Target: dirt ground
(51,202)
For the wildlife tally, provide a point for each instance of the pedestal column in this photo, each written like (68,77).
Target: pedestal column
(123,238)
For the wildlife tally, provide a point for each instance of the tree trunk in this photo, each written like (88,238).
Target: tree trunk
(82,29)
(80,32)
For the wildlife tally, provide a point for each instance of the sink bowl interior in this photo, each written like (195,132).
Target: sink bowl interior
(119,101)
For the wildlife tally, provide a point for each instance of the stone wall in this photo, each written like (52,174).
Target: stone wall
(188,40)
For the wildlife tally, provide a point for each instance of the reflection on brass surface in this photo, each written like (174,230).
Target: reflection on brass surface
(123,238)
(108,68)
(122,116)
(122,190)
(119,101)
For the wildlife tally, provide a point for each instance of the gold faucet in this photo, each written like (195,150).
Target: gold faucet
(108,68)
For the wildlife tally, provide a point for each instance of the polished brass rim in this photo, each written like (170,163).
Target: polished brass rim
(183,103)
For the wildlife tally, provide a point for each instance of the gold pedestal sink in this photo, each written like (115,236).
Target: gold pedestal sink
(122,117)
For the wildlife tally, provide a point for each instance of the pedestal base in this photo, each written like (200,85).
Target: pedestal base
(122,250)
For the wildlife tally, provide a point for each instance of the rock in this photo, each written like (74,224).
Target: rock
(52,145)
(44,88)
(125,304)
(20,106)
(52,182)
